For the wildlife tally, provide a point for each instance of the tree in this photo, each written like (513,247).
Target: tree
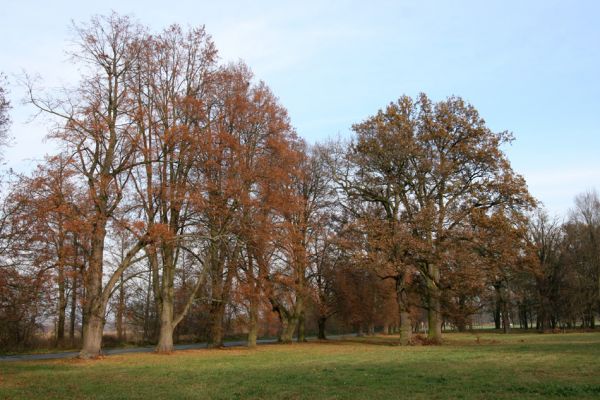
(267,163)
(96,129)
(4,110)
(302,222)
(25,289)
(430,167)
(546,238)
(583,253)
(173,92)
(46,204)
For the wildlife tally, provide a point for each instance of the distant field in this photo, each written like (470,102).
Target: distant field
(488,366)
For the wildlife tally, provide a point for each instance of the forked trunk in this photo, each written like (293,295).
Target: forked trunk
(289,327)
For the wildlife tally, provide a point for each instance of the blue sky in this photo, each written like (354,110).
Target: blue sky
(530,67)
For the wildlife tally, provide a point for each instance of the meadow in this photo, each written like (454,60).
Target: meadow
(466,366)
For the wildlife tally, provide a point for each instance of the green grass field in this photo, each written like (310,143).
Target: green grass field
(488,366)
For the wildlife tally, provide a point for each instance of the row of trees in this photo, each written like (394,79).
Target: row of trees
(563,290)
(182,202)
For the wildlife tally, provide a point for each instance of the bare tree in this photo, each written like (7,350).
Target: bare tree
(97,133)
(4,110)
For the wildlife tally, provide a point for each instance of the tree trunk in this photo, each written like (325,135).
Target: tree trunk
(217,312)
(505,318)
(405,328)
(289,319)
(497,317)
(148,319)
(321,323)
(96,295)
(165,337)
(73,316)
(62,305)
(92,328)
(121,312)
(541,318)
(301,328)
(253,327)
(93,309)
(434,317)
(360,332)
(289,327)
(220,290)
(165,307)
(92,336)
(403,308)
(165,298)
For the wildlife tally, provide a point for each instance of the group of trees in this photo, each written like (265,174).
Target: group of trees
(182,202)
(563,289)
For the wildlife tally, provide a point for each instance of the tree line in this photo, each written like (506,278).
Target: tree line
(182,203)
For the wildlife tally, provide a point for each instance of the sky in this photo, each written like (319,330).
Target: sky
(529,67)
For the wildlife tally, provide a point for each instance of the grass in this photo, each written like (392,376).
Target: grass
(479,366)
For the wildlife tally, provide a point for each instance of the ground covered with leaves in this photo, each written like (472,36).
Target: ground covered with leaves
(478,366)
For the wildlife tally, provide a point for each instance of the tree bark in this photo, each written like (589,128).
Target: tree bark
(434,316)
(92,336)
(217,312)
(164,297)
(121,312)
(73,316)
(360,332)
(165,337)
(62,304)
(321,324)
(301,328)
(405,328)
(386,328)
(505,317)
(403,308)
(498,309)
(253,324)
(97,295)
(93,310)
(289,327)
(371,329)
